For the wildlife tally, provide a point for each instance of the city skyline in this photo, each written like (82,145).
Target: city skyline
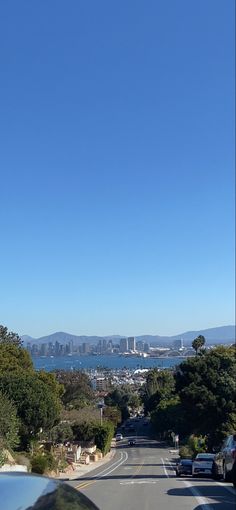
(117,158)
(218,334)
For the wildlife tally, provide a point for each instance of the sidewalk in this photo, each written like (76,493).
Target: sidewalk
(83,469)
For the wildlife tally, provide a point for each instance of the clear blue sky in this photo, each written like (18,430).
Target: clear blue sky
(117,166)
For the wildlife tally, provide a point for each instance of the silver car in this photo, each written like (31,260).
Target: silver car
(225,459)
(202,464)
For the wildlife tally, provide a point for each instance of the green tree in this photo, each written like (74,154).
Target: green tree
(9,423)
(61,433)
(160,385)
(35,395)
(198,343)
(101,434)
(169,416)
(78,391)
(83,431)
(37,407)
(120,398)
(14,358)
(206,386)
(134,401)
(112,414)
(9,337)
(49,378)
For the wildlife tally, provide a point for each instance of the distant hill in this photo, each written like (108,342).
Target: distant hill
(221,334)
(62,338)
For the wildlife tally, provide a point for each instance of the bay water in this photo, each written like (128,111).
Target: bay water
(103,361)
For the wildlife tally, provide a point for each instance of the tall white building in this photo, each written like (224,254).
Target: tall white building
(123,345)
(131,343)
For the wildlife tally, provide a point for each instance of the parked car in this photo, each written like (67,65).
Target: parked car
(131,442)
(233,474)
(119,437)
(184,467)
(202,464)
(224,465)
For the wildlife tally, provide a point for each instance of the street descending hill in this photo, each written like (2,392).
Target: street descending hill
(222,334)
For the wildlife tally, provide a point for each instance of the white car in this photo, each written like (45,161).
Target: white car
(202,464)
(119,437)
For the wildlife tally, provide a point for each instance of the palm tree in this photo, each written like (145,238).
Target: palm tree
(198,343)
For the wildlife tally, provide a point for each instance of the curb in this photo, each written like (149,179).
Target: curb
(83,469)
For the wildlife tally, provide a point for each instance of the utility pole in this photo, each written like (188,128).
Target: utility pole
(101,406)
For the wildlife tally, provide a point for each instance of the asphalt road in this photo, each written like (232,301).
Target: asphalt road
(142,477)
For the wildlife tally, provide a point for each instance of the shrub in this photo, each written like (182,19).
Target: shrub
(52,463)
(103,436)
(39,464)
(185,452)
(194,445)
(197,444)
(43,462)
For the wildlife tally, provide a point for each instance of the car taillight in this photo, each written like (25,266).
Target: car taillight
(233,452)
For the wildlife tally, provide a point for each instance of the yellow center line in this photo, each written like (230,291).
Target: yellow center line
(83,485)
(137,470)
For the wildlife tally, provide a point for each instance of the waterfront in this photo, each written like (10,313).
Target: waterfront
(113,362)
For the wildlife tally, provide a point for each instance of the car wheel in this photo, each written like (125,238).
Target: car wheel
(215,474)
(226,475)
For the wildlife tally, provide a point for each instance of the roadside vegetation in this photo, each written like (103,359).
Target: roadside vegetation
(124,399)
(39,410)
(197,400)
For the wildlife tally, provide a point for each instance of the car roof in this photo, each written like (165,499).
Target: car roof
(186,461)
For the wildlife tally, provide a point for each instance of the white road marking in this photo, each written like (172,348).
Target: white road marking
(165,468)
(118,462)
(200,499)
(170,465)
(121,462)
(127,467)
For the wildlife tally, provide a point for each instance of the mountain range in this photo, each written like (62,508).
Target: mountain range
(218,335)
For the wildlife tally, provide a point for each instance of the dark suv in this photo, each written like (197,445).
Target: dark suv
(184,467)
(224,465)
